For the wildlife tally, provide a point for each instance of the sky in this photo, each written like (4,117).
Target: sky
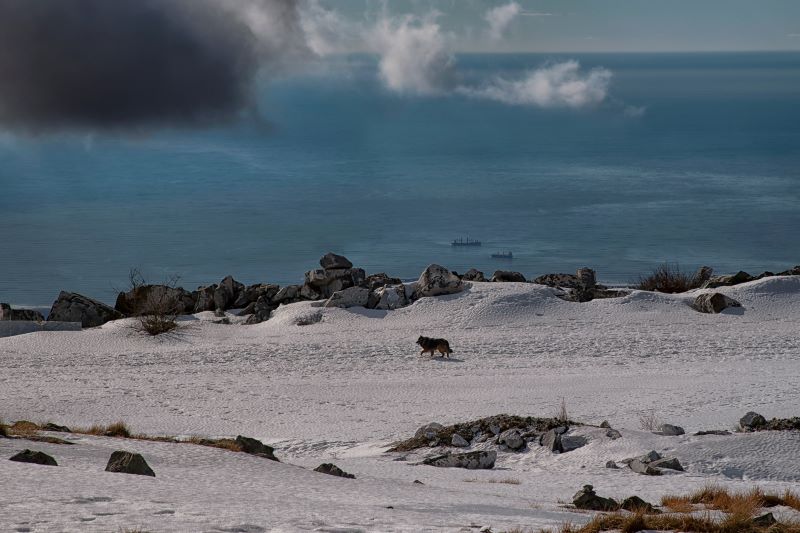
(608,25)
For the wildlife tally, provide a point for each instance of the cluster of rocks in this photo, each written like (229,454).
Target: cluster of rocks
(6,313)
(579,287)
(728,280)
(753,421)
(587,499)
(651,464)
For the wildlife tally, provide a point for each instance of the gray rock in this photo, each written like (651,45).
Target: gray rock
(670,463)
(375,281)
(713,432)
(473,275)
(752,421)
(458,441)
(765,520)
(650,456)
(611,464)
(6,313)
(429,431)
(129,463)
(552,441)
(437,280)
(572,442)
(261,310)
(558,280)
(227,293)
(795,271)
(204,299)
(702,275)
(604,424)
(587,499)
(256,447)
(670,430)
(351,297)
(332,260)
(333,470)
(469,460)
(512,439)
(586,277)
(505,276)
(640,467)
(73,307)
(714,302)
(288,294)
(388,297)
(728,280)
(613,434)
(34,457)
(635,504)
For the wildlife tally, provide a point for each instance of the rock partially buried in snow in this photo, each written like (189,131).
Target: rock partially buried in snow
(587,499)
(256,447)
(437,280)
(473,275)
(512,439)
(613,434)
(388,297)
(572,442)
(73,307)
(670,430)
(635,504)
(714,302)
(752,421)
(129,463)
(506,276)
(670,463)
(333,470)
(352,297)
(651,464)
(34,457)
(458,441)
(469,460)
(611,464)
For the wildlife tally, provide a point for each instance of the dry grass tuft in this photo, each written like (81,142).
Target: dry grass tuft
(117,429)
(649,421)
(23,427)
(677,504)
(668,278)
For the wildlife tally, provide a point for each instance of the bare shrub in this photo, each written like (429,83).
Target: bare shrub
(561,414)
(158,308)
(649,421)
(668,278)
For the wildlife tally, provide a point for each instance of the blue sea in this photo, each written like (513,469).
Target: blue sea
(708,175)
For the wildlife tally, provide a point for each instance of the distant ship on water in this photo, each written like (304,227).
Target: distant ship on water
(465,242)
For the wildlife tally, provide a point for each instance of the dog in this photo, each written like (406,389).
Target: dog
(433,345)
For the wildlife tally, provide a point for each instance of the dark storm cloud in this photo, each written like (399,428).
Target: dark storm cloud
(120,64)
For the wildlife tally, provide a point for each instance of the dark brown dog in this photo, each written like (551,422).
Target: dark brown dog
(433,345)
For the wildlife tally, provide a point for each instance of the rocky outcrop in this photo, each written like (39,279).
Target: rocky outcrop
(256,447)
(558,280)
(6,313)
(506,276)
(728,280)
(794,271)
(129,463)
(713,302)
(333,470)
(437,280)
(351,297)
(473,275)
(388,297)
(73,307)
(587,499)
(34,457)
(755,422)
(469,460)
(375,281)
(150,299)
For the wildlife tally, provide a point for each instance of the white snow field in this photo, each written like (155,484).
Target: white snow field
(344,388)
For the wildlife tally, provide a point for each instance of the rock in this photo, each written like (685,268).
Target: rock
(724,281)
(512,439)
(635,504)
(458,441)
(352,297)
(129,463)
(558,280)
(613,434)
(611,464)
(436,280)
(604,424)
(261,310)
(572,442)
(331,260)
(473,275)
(504,276)
(333,470)
(795,271)
(227,292)
(587,499)
(752,421)
(286,295)
(586,277)
(713,432)
(219,313)
(713,302)
(671,463)
(375,281)
(6,313)
(702,275)
(73,307)
(256,447)
(640,467)
(56,428)
(765,520)
(468,460)
(204,299)
(418,482)
(669,430)
(250,295)
(552,440)
(37,458)
(429,431)
(650,456)
(328,281)
(388,297)
(308,292)
(150,299)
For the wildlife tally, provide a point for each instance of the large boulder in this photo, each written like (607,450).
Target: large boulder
(558,280)
(129,463)
(34,457)
(713,302)
(227,292)
(752,421)
(388,297)
(469,460)
(352,297)
(150,299)
(204,299)
(332,260)
(436,280)
(587,499)
(728,280)
(473,275)
(6,313)
(74,307)
(501,276)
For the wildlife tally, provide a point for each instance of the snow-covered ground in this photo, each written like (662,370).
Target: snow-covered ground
(343,388)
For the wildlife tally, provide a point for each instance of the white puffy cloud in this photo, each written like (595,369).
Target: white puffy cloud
(500,17)
(555,85)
